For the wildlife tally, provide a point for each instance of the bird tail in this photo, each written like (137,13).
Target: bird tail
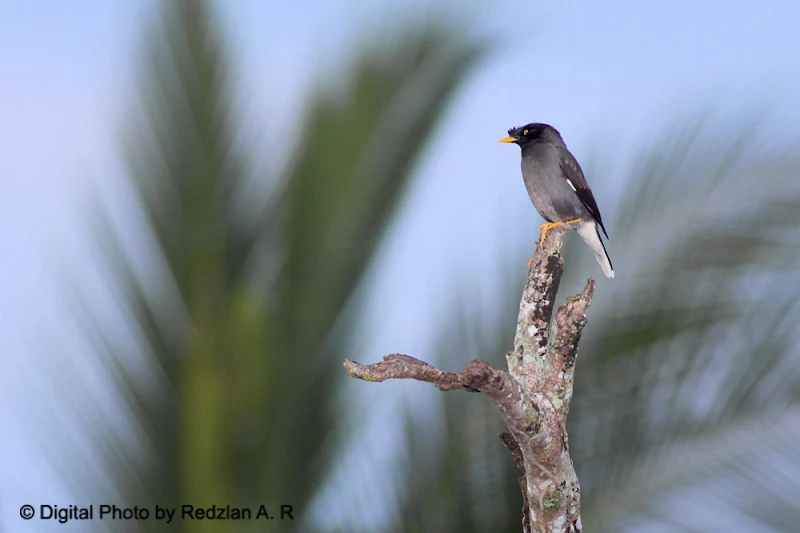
(591,236)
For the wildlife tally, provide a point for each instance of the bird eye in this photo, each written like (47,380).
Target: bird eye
(524,132)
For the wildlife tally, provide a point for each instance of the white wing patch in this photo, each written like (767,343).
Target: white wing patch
(572,186)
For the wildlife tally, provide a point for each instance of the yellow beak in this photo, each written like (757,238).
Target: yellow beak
(508,139)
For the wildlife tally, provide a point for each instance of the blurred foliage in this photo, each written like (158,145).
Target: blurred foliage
(688,379)
(686,412)
(230,379)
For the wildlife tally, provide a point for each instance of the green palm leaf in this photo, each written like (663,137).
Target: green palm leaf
(225,373)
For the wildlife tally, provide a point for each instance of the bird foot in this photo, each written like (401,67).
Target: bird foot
(547,226)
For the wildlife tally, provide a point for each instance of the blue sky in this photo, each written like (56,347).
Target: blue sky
(604,73)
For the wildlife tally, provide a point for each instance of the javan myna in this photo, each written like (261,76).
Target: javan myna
(557,188)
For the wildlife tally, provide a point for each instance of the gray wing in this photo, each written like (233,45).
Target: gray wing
(572,171)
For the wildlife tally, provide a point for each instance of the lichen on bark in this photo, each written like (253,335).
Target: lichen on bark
(533,396)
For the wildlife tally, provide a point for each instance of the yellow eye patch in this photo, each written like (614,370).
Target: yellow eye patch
(524,132)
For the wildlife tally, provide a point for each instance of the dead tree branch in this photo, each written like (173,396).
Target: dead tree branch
(533,396)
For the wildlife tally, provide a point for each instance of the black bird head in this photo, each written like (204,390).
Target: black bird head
(533,133)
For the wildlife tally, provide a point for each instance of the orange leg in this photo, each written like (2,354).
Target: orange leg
(547,226)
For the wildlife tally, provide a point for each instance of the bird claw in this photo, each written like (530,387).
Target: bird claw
(547,226)
(543,232)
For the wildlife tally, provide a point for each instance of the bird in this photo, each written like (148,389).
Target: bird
(557,187)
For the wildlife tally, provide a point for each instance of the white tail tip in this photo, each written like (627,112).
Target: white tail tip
(590,235)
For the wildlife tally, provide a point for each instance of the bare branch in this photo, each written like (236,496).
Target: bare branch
(498,385)
(536,305)
(533,396)
(399,366)
(563,347)
(548,367)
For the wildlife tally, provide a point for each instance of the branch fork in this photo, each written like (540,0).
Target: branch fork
(533,396)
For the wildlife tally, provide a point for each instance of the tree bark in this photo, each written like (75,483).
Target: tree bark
(533,396)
